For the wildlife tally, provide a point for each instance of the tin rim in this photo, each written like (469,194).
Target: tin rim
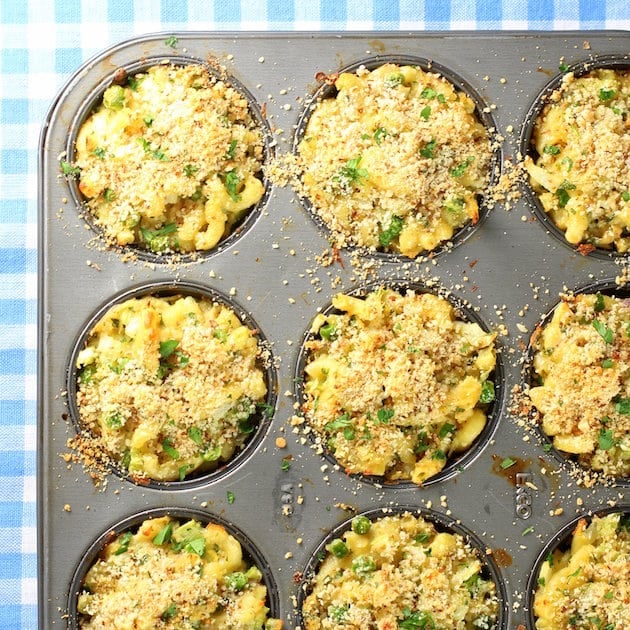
(263,419)
(560,539)
(456,464)
(251,553)
(441,522)
(482,112)
(579,68)
(605,287)
(95,97)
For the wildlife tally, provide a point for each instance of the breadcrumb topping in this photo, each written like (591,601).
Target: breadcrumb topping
(169,386)
(582,360)
(170,160)
(395,384)
(395,160)
(588,584)
(398,571)
(172,575)
(582,171)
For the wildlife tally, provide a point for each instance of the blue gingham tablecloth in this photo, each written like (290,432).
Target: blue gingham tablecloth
(42,43)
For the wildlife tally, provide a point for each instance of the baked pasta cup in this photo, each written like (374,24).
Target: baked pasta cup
(581,362)
(585,583)
(399,571)
(580,170)
(170,160)
(169,573)
(394,383)
(395,160)
(168,385)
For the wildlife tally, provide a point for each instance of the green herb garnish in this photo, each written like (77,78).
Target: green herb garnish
(551,149)
(487,394)
(171,41)
(606,95)
(230,497)
(428,151)
(604,332)
(123,543)
(169,449)
(68,170)
(605,439)
(231,181)
(507,463)
(164,535)
(395,228)
(460,169)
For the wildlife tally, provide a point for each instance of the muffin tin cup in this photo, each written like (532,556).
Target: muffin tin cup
(168,289)
(442,523)
(457,463)
(94,99)
(510,494)
(605,287)
(579,68)
(482,111)
(251,554)
(560,540)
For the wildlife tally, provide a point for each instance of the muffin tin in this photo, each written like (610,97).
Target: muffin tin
(284,497)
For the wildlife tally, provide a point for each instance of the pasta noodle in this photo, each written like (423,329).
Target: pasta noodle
(169,385)
(588,584)
(582,171)
(398,571)
(396,383)
(582,361)
(172,575)
(395,161)
(170,160)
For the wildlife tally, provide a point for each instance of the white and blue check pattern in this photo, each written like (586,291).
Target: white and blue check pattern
(42,43)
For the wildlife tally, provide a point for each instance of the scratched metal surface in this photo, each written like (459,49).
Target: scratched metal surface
(510,269)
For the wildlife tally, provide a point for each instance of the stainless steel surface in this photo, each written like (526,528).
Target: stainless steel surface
(510,269)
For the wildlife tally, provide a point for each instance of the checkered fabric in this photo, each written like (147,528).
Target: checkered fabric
(42,43)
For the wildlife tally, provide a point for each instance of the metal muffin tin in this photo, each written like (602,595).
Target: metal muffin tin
(510,270)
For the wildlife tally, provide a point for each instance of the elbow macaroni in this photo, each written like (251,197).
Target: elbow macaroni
(582,171)
(172,575)
(395,161)
(398,569)
(169,385)
(588,583)
(582,360)
(394,384)
(170,161)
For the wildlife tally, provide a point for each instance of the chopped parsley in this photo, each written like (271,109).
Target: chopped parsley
(384,415)
(231,152)
(428,150)
(171,41)
(425,112)
(460,169)
(395,228)
(341,422)
(604,332)
(562,193)
(605,439)
(190,170)
(169,449)
(508,462)
(379,135)
(123,545)
(164,535)
(600,304)
(160,239)
(286,464)
(419,620)
(109,195)
(625,195)
(231,181)
(606,95)
(351,173)
(551,149)
(170,357)
(230,497)
(622,406)
(394,80)
(100,153)
(194,433)
(68,170)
